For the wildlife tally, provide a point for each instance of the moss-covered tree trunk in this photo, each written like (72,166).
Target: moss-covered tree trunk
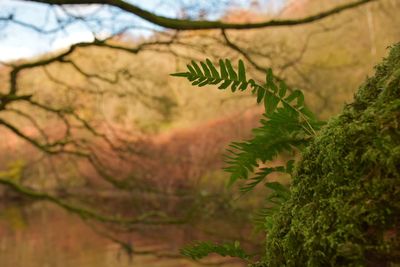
(345,204)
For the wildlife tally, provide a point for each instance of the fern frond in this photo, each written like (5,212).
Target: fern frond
(279,132)
(270,92)
(199,250)
(260,177)
(207,74)
(287,124)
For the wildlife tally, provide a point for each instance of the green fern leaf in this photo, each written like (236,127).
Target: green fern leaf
(204,83)
(225,84)
(297,94)
(231,71)
(206,71)
(199,81)
(197,69)
(214,71)
(269,78)
(269,81)
(242,72)
(261,175)
(282,89)
(181,74)
(224,72)
(260,94)
(271,102)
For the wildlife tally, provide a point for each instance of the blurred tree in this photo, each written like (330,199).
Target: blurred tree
(52,101)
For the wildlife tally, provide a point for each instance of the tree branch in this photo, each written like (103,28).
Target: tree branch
(184,24)
(90,214)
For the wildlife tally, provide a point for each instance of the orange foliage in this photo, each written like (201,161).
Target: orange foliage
(179,157)
(169,160)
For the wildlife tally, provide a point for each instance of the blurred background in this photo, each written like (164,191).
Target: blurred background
(107,160)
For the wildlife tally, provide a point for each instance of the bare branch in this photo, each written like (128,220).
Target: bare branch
(184,24)
(84,213)
(10,19)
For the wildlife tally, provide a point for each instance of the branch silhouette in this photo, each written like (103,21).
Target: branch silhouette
(184,24)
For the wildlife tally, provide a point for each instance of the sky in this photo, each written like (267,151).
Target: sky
(18,42)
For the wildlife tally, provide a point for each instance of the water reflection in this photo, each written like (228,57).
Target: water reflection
(41,235)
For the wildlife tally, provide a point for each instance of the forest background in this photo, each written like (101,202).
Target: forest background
(103,131)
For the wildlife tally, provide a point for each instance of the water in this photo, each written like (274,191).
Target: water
(42,235)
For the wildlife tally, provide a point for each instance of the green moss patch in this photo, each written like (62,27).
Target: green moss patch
(345,204)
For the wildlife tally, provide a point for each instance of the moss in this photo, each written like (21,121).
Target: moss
(345,204)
